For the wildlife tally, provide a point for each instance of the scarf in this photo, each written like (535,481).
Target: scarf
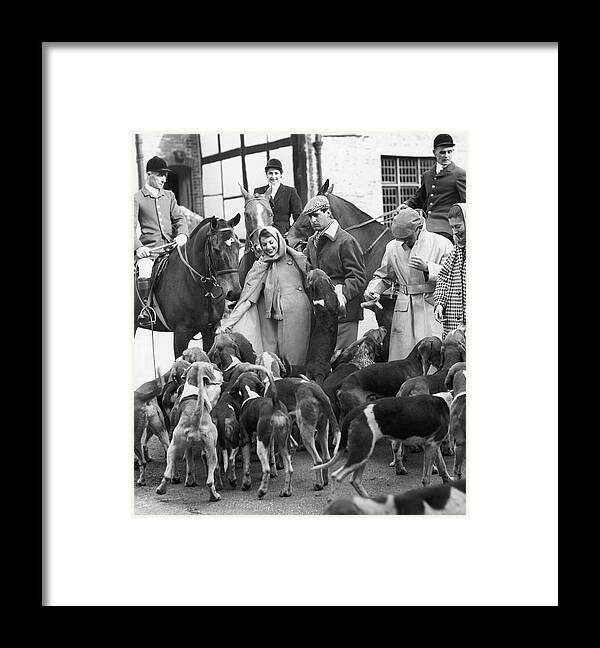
(265,269)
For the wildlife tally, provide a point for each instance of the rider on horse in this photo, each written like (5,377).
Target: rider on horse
(161,221)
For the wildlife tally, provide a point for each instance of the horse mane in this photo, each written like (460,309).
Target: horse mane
(198,227)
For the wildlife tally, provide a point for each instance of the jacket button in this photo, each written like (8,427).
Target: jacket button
(299,287)
(289,262)
(433,186)
(429,212)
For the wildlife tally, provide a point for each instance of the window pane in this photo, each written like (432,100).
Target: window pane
(390,198)
(232,174)
(388,170)
(208,142)
(229,141)
(255,170)
(407,192)
(408,171)
(254,138)
(425,164)
(235,206)
(211,178)
(213,206)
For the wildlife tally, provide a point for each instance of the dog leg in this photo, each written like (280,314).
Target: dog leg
(262,451)
(400,450)
(210,449)
(246,481)
(447,446)
(441,464)
(190,468)
(356,481)
(308,439)
(429,454)
(272,463)
(283,434)
(322,435)
(394,450)
(140,419)
(459,460)
(172,454)
(231,473)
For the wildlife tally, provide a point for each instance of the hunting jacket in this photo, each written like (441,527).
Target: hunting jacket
(285,204)
(437,193)
(159,218)
(342,261)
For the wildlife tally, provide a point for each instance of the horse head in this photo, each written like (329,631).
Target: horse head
(223,255)
(257,214)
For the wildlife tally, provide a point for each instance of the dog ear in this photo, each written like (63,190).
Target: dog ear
(424,353)
(281,367)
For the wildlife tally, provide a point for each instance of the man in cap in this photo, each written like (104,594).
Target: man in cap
(285,200)
(160,220)
(339,255)
(413,259)
(441,187)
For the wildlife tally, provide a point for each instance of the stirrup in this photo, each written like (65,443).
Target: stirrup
(147,315)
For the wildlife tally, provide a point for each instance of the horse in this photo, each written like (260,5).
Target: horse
(197,279)
(257,214)
(372,236)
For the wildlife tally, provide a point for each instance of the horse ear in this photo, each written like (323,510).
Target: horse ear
(267,194)
(234,221)
(213,223)
(331,189)
(244,192)
(323,190)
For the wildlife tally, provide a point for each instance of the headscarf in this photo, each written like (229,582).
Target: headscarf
(463,209)
(265,268)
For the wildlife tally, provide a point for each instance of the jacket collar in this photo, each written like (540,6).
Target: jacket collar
(449,168)
(147,193)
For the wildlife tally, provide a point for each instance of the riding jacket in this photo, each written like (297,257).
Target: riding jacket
(159,218)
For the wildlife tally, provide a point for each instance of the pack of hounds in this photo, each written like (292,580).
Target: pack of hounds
(213,405)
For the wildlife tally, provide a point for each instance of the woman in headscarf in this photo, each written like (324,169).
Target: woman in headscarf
(450,295)
(274,311)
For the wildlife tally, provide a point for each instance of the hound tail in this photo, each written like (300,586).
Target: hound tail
(341,442)
(269,374)
(205,369)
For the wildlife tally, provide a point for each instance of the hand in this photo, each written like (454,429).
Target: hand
(418,263)
(340,296)
(402,206)
(438,313)
(181,239)
(369,295)
(142,252)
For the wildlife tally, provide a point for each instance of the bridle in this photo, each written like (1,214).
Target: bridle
(256,248)
(211,278)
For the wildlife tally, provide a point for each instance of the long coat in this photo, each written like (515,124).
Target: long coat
(413,312)
(437,193)
(285,204)
(288,337)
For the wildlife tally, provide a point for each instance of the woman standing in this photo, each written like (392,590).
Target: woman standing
(274,311)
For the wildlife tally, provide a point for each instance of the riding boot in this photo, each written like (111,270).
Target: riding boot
(144,288)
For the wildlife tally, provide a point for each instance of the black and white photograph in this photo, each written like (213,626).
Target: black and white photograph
(255,293)
(298,298)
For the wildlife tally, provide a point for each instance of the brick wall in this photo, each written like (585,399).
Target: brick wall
(352,162)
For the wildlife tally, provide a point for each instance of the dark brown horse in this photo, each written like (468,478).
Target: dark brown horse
(257,214)
(372,236)
(196,281)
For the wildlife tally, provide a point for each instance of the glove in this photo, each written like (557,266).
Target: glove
(142,252)
(341,298)
(181,239)
(438,313)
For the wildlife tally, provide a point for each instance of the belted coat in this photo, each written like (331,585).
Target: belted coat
(413,317)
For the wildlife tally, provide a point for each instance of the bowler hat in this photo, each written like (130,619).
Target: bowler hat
(157,164)
(273,163)
(443,140)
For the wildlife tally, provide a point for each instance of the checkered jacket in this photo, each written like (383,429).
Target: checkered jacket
(451,289)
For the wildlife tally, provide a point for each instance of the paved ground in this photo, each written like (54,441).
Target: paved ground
(379,479)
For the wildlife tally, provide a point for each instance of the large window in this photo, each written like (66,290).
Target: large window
(400,178)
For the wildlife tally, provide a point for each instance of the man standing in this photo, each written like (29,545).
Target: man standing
(441,187)
(339,255)
(414,260)
(450,295)
(285,200)
(159,217)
